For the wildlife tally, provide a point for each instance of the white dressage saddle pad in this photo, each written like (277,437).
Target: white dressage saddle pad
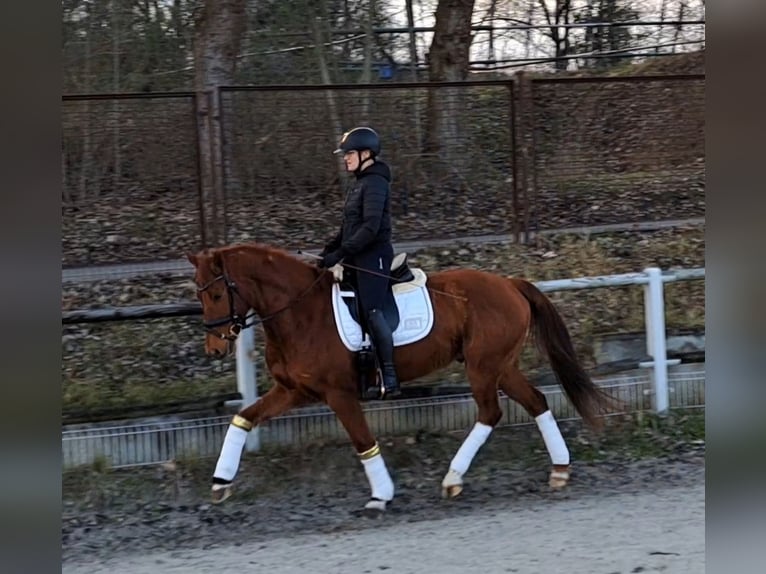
(416,314)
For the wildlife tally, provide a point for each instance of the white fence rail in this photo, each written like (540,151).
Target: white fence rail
(652,280)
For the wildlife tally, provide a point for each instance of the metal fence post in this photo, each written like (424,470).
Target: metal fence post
(654,309)
(246,380)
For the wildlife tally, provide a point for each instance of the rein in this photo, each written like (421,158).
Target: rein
(389,277)
(431,289)
(238,323)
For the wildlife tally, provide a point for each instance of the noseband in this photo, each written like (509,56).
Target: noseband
(235,321)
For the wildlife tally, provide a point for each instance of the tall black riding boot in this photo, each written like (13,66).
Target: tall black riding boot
(383,340)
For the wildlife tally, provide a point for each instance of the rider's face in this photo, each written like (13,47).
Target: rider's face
(351,159)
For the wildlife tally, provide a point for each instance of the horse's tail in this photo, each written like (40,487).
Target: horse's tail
(553,339)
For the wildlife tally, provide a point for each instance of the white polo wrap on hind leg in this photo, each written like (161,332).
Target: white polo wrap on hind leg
(471,445)
(554,442)
(377,474)
(231,451)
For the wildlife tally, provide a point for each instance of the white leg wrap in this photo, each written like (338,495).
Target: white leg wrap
(471,445)
(231,452)
(380,481)
(554,442)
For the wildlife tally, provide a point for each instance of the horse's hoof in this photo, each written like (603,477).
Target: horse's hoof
(220,492)
(559,478)
(451,491)
(376,504)
(452,485)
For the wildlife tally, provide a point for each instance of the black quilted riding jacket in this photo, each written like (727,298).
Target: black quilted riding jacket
(366,213)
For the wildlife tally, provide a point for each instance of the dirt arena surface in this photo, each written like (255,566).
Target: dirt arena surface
(635,503)
(650,531)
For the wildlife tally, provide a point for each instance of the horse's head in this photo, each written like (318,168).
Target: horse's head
(223,309)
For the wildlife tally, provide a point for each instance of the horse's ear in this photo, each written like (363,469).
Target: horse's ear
(192,257)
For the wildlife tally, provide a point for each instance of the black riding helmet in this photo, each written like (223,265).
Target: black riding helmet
(359,139)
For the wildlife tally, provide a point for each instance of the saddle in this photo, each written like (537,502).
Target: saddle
(400,274)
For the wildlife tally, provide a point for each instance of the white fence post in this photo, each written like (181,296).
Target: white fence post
(654,311)
(246,380)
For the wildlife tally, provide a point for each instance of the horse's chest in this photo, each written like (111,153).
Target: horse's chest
(292,367)
(279,369)
(278,372)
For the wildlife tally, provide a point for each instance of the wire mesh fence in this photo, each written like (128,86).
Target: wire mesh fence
(604,148)
(283,185)
(468,159)
(130,177)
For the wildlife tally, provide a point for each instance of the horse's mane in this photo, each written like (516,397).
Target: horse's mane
(265,251)
(261,248)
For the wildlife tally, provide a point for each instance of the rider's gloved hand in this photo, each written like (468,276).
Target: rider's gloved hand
(330,259)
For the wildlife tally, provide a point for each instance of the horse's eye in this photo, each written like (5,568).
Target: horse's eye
(216,297)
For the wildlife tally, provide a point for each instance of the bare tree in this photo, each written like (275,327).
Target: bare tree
(414,67)
(366,76)
(86,166)
(116,27)
(663,14)
(448,60)
(528,43)
(218,29)
(679,27)
(449,53)
(560,36)
(332,104)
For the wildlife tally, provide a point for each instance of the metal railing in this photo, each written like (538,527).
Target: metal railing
(162,439)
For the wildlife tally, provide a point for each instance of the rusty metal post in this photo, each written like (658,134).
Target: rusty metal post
(200,190)
(221,158)
(533,206)
(211,113)
(514,161)
(523,111)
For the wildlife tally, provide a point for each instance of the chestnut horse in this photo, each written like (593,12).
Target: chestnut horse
(480,318)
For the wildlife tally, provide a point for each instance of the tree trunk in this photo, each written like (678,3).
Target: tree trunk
(491,17)
(528,43)
(681,9)
(663,13)
(450,47)
(86,166)
(448,60)
(116,31)
(218,29)
(560,38)
(414,70)
(332,104)
(366,76)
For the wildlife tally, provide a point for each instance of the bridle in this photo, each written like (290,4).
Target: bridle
(236,321)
